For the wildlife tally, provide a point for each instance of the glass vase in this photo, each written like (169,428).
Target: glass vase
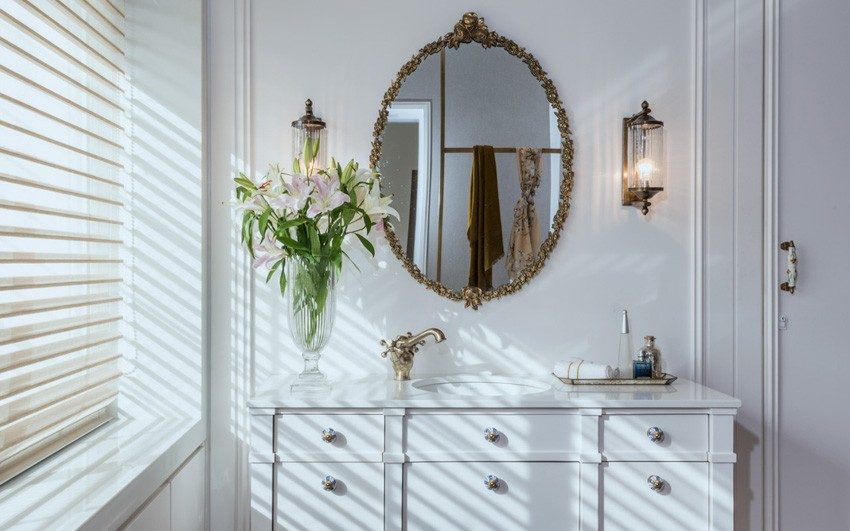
(311,291)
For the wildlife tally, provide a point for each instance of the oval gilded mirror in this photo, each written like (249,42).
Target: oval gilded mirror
(473,143)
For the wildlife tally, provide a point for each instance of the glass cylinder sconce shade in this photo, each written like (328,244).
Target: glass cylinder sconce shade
(309,141)
(644,164)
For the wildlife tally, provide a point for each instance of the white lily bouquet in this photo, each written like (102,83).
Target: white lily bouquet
(299,224)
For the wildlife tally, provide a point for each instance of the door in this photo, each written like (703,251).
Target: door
(814,211)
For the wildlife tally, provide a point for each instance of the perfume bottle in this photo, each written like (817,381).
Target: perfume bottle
(647,362)
(624,356)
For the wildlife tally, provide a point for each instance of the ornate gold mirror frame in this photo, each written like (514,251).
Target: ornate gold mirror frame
(472,28)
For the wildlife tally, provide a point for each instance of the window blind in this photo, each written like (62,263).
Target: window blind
(61,171)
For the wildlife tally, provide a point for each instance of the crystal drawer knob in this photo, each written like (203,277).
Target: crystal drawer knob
(655,434)
(655,483)
(329,483)
(328,435)
(492,482)
(491,434)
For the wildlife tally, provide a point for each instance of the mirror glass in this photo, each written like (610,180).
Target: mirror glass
(471,155)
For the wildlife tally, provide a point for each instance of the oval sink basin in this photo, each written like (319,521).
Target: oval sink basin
(480,385)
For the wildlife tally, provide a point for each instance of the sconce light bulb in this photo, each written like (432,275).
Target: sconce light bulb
(644,168)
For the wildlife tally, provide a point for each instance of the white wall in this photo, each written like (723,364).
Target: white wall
(163,273)
(571,308)
(686,272)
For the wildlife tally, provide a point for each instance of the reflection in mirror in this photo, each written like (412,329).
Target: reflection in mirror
(471,154)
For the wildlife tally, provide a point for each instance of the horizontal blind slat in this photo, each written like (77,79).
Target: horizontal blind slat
(30,381)
(25,232)
(63,145)
(51,391)
(56,258)
(11,283)
(14,309)
(89,29)
(61,28)
(115,8)
(17,334)
(58,73)
(51,444)
(58,189)
(49,164)
(60,97)
(58,120)
(31,355)
(57,49)
(103,17)
(27,430)
(37,209)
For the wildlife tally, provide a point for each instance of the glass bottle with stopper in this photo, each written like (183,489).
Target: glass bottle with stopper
(647,363)
(624,353)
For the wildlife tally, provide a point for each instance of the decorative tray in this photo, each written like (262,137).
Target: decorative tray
(666,379)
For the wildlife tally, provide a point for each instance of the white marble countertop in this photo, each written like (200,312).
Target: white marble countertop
(380,391)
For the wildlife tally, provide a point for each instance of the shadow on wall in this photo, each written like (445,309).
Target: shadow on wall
(609,257)
(163,262)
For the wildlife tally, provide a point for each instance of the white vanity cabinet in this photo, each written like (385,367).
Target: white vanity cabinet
(567,458)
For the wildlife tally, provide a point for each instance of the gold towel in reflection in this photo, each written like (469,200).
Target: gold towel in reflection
(484,229)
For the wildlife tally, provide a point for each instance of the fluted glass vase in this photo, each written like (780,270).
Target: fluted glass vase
(311,292)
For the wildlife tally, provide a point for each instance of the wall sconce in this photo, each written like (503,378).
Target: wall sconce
(309,140)
(643,158)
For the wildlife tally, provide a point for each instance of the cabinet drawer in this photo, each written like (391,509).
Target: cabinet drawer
(630,503)
(526,436)
(358,436)
(627,437)
(355,502)
(448,496)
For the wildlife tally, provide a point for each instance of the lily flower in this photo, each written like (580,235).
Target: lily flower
(326,195)
(266,252)
(376,206)
(297,190)
(255,203)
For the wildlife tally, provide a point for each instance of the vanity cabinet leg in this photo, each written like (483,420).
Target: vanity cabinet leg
(721,496)
(394,459)
(393,496)
(721,482)
(589,493)
(262,493)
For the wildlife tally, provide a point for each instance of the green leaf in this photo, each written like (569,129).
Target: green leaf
(350,260)
(315,148)
(296,165)
(366,243)
(292,244)
(245,181)
(315,244)
(306,150)
(264,221)
(282,280)
(273,269)
(288,224)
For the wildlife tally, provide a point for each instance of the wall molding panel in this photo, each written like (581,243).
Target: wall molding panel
(232,279)
(719,205)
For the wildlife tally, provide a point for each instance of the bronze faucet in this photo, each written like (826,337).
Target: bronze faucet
(402,349)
